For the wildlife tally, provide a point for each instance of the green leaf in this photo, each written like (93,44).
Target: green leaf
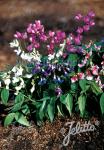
(17,107)
(20,118)
(82,104)
(9,119)
(68,101)
(42,109)
(19,98)
(102,103)
(82,84)
(51,109)
(73,58)
(5,96)
(74,87)
(59,108)
(25,109)
(63,99)
(95,88)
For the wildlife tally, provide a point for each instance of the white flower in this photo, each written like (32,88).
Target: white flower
(18,51)
(89,77)
(14,69)
(15,80)
(18,88)
(28,76)
(59,54)
(14,43)
(33,86)
(7,81)
(32,89)
(0,83)
(17,70)
(51,56)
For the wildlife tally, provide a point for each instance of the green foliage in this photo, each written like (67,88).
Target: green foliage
(82,104)
(20,118)
(102,103)
(9,119)
(67,100)
(4,96)
(41,87)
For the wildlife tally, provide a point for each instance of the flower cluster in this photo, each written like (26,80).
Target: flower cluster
(56,66)
(68,69)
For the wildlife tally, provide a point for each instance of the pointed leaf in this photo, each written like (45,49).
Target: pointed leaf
(9,119)
(19,98)
(20,118)
(5,96)
(51,109)
(82,103)
(102,103)
(69,102)
(82,84)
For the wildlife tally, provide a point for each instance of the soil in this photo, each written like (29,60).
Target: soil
(50,136)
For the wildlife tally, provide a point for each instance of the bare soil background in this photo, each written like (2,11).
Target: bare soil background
(16,15)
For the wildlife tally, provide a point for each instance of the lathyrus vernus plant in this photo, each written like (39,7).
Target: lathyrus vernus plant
(58,75)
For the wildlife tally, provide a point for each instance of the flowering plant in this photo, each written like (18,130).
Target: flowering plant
(55,74)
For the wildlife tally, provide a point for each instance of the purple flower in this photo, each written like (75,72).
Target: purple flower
(30,48)
(18,35)
(77,40)
(80,30)
(24,35)
(86,19)
(57,79)
(58,91)
(78,17)
(86,28)
(42,81)
(29,29)
(71,49)
(92,23)
(91,14)
(51,34)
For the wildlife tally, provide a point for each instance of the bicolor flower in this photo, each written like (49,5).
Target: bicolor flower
(94,70)
(74,78)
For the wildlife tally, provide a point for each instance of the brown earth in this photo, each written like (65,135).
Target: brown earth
(50,136)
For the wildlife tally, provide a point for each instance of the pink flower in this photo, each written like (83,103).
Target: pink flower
(92,23)
(77,40)
(91,14)
(68,41)
(51,34)
(78,17)
(18,35)
(89,75)
(29,29)
(74,79)
(86,19)
(80,65)
(94,70)
(71,49)
(30,47)
(64,55)
(24,36)
(86,28)
(81,75)
(80,30)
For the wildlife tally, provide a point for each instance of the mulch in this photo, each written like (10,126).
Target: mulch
(50,136)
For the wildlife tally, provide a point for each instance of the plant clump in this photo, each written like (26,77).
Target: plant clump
(55,74)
